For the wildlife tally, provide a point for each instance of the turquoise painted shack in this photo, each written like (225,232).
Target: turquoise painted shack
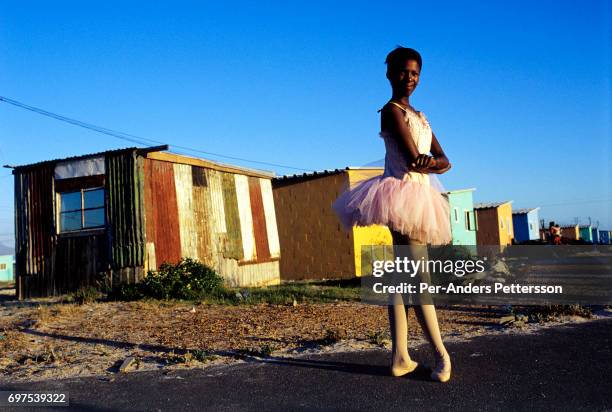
(463,222)
(6,268)
(586,233)
(525,223)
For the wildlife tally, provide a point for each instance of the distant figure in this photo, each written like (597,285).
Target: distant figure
(555,233)
(557,237)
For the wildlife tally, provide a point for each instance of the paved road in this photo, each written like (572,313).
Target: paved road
(564,368)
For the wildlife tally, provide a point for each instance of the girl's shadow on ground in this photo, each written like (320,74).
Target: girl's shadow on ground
(422,373)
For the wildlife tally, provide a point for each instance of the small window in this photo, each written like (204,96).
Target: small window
(2,266)
(501,222)
(530,226)
(81,210)
(456,213)
(468,221)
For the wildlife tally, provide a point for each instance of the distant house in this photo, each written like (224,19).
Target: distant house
(314,244)
(525,224)
(6,268)
(112,216)
(585,232)
(570,232)
(604,237)
(595,235)
(494,223)
(462,218)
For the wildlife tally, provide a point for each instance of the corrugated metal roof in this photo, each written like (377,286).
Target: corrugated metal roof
(317,174)
(212,163)
(490,204)
(288,179)
(524,211)
(80,157)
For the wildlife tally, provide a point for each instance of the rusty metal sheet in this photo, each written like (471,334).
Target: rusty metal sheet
(124,187)
(259,219)
(36,236)
(217,205)
(183,181)
(233,242)
(202,216)
(161,211)
(270,215)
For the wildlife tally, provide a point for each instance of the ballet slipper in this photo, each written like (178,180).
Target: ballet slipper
(403,368)
(442,371)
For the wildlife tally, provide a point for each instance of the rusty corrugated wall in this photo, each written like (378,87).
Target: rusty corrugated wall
(162,228)
(202,215)
(183,181)
(125,211)
(35,234)
(259,220)
(233,243)
(222,218)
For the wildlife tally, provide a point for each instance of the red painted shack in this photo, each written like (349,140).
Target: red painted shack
(109,217)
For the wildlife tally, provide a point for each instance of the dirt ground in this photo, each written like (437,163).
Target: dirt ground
(51,340)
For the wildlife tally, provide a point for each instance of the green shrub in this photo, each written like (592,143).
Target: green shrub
(187,279)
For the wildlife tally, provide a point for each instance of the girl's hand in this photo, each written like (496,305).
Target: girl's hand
(424,162)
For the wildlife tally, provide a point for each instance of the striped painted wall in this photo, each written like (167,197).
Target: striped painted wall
(224,219)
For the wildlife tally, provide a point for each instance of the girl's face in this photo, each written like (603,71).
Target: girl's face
(405,78)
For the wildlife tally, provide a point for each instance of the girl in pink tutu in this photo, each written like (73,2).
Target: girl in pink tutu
(405,198)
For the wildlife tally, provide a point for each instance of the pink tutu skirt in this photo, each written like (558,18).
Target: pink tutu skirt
(412,208)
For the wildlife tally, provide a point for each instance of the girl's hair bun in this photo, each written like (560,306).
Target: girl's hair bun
(399,55)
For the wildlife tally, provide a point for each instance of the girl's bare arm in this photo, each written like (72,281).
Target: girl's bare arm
(441,163)
(392,121)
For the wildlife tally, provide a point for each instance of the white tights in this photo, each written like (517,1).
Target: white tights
(398,319)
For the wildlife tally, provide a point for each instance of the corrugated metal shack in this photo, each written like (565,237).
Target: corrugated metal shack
(314,244)
(111,216)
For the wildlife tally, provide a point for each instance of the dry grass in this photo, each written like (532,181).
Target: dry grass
(65,340)
(73,340)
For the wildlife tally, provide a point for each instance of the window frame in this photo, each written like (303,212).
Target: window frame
(82,210)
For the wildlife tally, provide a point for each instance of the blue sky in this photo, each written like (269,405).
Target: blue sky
(518,93)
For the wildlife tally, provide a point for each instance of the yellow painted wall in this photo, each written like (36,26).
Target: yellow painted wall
(506,234)
(371,235)
(357,176)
